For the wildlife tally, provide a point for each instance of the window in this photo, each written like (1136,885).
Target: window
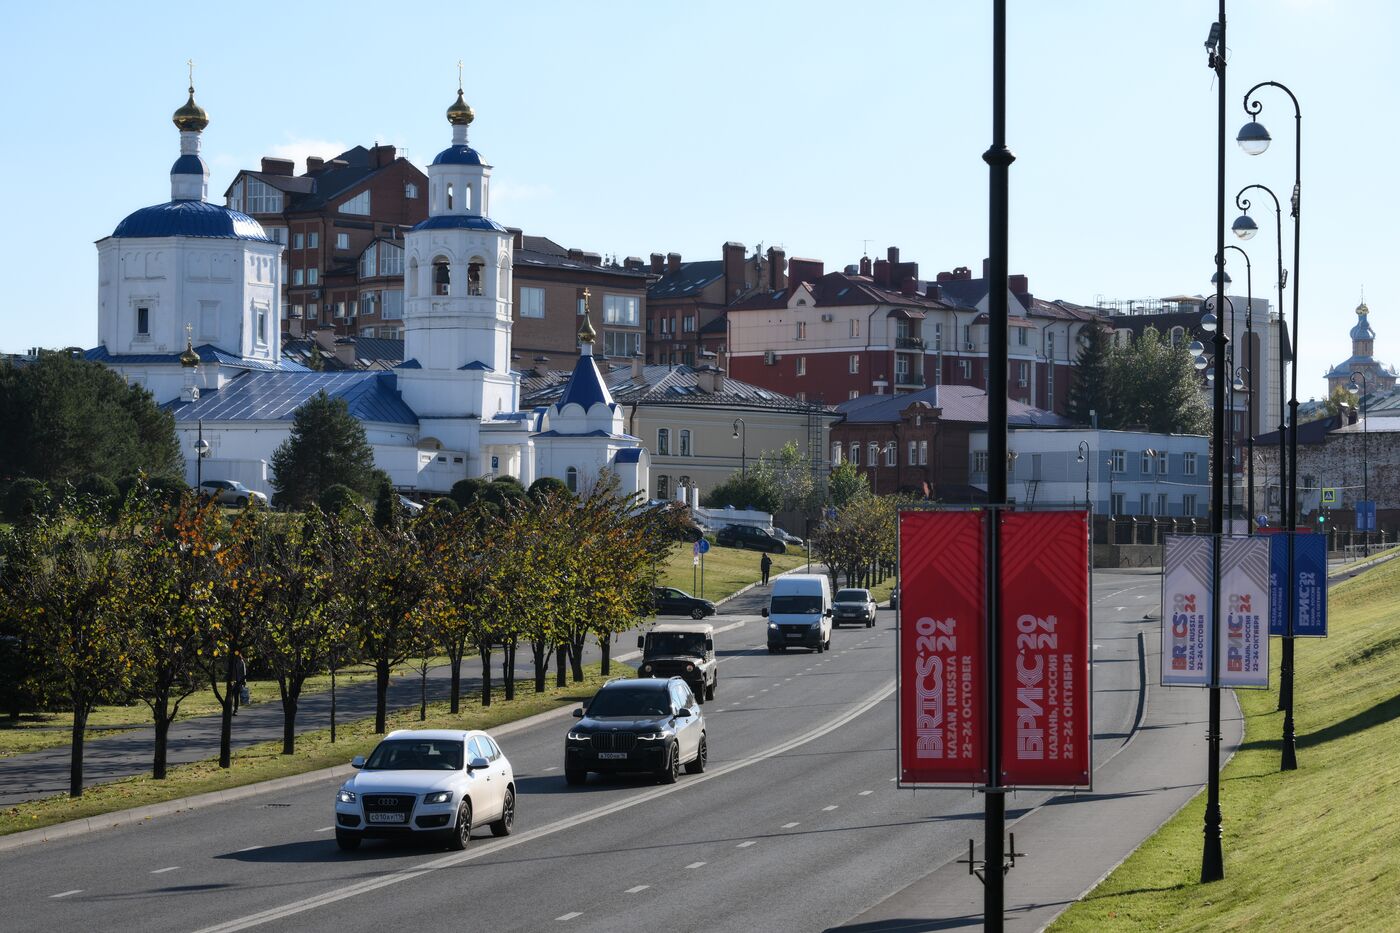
(966,367)
(390,259)
(369,262)
(685,442)
(1161,503)
(263,198)
(442,277)
(1188,504)
(392,307)
(1115,504)
(835,454)
(967,334)
(1162,463)
(622,309)
(662,487)
(979,461)
(801,330)
(1021,333)
(901,367)
(313,276)
(1145,504)
(1188,461)
(855,454)
(410,191)
(449,196)
(854,363)
(801,396)
(571,479)
(1118,461)
(278,234)
(1050,345)
(313,239)
(855,327)
(366,331)
(1050,386)
(663,441)
(853,394)
(688,324)
(297,311)
(802,366)
(872,451)
(1147,461)
(298,276)
(1022,372)
(622,343)
(298,240)
(342,241)
(262,325)
(359,204)
(938,336)
(1178,336)
(474,277)
(531,302)
(143,322)
(891,454)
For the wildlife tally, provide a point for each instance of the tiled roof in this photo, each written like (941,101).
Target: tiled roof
(836,289)
(664,385)
(549,259)
(369,352)
(690,279)
(371,396)
(958,403)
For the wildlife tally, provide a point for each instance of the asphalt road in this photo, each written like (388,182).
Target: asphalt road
(796,825)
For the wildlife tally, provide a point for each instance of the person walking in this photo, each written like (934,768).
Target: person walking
(240,681)
(765,565)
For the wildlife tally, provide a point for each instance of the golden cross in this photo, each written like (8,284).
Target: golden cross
(189,334)
(459,75)
(586,295)
(190,62)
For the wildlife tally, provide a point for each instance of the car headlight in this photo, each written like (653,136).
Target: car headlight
(689,668)
(441,796)
(646,668)
(578,736)
(773,626)
(653,736)
(345,795)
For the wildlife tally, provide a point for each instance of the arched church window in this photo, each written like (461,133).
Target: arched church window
(662,487)
(449,196)
(1178,336)
(466,197)
(413,278)
(442,276)
(663,441)
(474,277)
(571,479)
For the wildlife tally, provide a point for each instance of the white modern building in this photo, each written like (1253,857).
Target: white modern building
(188,294)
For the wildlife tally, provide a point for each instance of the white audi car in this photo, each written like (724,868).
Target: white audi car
(428,783)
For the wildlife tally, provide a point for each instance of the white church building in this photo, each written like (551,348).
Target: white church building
(189,298)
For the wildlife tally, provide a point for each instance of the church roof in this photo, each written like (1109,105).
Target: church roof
(207,353)
(668,386)
(191,218)
(458,155)
(1370,364)
(460,222)
(1362,330)
(585,386)
(276,396)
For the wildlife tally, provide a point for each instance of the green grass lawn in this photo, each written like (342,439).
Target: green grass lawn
(1314,849)
(35,731)
(727,569)
(313,751)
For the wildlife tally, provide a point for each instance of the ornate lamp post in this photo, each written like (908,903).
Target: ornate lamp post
(741,434)
(1084,459)
(1248,385)
(1254,139)
(1243,380)
(1364,390)
(201,449)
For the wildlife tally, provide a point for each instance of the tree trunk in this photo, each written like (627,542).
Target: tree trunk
(289,721)
(381,694)
(456,691)
(561,664)
(485,652)
(75,760)
(540,651)
(576,660)
(332,703)
(423,692)
(226,726)
(508,669)
(160,712)
(605,644)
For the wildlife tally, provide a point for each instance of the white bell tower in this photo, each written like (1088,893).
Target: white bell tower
(456,370)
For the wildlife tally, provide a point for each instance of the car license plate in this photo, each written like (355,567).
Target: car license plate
(610,756)
(794,634)
(387,817)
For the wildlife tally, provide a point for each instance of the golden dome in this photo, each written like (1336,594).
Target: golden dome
(586,333)
(191,116)
(189,358)
(460,114)
(1361,309)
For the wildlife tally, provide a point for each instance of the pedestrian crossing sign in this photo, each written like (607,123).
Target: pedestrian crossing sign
(1329,495)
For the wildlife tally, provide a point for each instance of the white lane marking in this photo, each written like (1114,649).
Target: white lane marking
(637,890)
(552,768)
(791,825)
(745,845)
(65,893)
(326,829)
(161,871)
(749,697)
(249,848)
(570,915)
(827,809)
(364,886)
(865,793)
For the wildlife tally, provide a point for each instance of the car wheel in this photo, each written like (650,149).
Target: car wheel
(772,649)
(710,688)
(574,777)
(241,501)
(462,832)
(671,773)
(506,823)
(828,643)
(697,613)
(348,842)
(698,765)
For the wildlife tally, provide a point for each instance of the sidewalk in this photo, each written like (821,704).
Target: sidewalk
(1072,841)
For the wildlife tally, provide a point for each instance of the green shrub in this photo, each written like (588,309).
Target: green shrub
(26,498)
(465,491)
(99,488)
(337,498)
(447,505)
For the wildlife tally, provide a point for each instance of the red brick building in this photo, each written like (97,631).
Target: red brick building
(686,301)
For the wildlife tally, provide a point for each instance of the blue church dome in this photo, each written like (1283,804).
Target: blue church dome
(457,155)
(191,218)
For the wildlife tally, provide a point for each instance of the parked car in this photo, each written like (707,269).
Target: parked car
(409,506)
(231,492)
(747,536)
(679,519)
(638,725)
(669,601)
(799,613)
(428,783)
(685,650)
(853,606)
(787,537)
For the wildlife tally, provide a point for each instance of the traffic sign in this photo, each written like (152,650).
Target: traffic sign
(1329,495)
(702,546)
(1366,515)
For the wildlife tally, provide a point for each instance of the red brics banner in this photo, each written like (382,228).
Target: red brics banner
(1046,732)
(942,660)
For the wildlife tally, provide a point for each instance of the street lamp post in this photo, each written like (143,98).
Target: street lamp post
(201,449)
(741,433)
(1084,459)
(1243,382)
(1249,379)
(1245,228)
(1364,389)
(1254,139)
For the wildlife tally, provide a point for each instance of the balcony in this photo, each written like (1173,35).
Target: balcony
(909,343)
(909,379)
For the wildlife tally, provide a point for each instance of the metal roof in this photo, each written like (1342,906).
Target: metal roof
(370,396)
(630,455)
(956,402)
(458,155)
(689,279)
(190,218)
(585,386)
(188,164)
(459,222)
(207,353)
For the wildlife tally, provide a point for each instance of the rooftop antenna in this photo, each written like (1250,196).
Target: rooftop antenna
(865,247)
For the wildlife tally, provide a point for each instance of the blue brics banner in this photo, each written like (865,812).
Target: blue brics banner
(1310,585)
(1366,515)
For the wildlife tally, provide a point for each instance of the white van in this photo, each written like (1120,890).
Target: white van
(799,612)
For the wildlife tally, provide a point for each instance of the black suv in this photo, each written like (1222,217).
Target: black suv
(669,601)
(747,536)
(638,725)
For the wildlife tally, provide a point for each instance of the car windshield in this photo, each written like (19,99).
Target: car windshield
(852,596)
(692,643)
(630,701)
(417,755)
(792,605)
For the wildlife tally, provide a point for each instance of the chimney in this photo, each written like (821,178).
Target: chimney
(733,270)
(576,255)
(592,259)
(986,268)
(804,270)
(637,364)
(710,379)
(271,166)
(892,254)
(541,366)
(934,290)
(910,286)
(777,268)
(382,155)
(882,273)
(673,262)
(517,238)
(658,264)
(1018,284)
(632,264)
(325,338)
(865,266)
(313,164)
(962,273)
(345,352)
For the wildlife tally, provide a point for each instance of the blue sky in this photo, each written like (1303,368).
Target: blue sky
(629,128)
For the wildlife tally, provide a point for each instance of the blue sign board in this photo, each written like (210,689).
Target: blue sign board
(702,546)
(1366,515)
(1310,584)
